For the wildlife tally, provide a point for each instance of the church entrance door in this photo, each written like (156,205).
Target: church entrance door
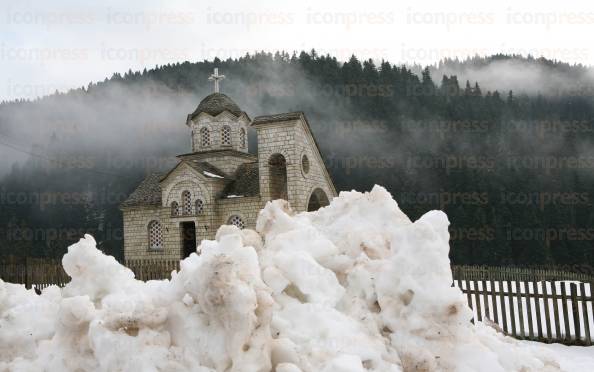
(188,238)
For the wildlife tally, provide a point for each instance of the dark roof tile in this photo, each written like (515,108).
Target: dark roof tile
(277,117)
(216,103)
(148,192)
(246,182)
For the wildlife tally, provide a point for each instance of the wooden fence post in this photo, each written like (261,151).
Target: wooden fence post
(539,333)
(585,314)
(28,273)
(477,297)
(565,312)
(494,301)
(512,312)
(521,332)
(556,315)
(503,306)
(529,310)
(575,312)
(547,319)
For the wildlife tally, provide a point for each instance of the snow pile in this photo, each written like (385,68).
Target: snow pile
(355,286)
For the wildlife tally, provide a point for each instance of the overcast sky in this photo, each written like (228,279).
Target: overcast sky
(60,44)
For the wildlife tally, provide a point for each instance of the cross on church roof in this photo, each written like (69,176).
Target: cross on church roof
(216,77)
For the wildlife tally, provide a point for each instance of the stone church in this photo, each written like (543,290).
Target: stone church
(220,182)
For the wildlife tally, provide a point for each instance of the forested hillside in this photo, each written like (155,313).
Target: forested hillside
(513,169)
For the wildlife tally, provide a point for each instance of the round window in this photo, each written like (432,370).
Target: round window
(305,164)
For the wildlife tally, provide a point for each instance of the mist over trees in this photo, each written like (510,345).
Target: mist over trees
(512,168)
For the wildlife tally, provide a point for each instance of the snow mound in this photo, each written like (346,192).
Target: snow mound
(355,286)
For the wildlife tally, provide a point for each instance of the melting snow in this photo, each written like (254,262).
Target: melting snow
(353,287)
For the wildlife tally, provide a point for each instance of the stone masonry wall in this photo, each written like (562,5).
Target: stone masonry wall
(136,221)
(246,207)
(290,139)
(215,128)
(136,241)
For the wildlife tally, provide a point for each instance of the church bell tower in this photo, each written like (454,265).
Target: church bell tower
(218,123)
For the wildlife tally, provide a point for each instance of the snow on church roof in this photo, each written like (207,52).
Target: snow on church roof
(205,168)
(212,175)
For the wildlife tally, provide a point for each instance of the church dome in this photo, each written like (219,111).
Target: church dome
(215,103)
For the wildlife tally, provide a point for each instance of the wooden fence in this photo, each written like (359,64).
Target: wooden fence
(152,269)
(534,304)
(43,272)
(39,272)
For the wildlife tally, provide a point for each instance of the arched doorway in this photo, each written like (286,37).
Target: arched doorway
(277,165)
(317,200)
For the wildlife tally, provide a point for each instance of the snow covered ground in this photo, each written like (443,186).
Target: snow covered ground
(572,358)
(354,287)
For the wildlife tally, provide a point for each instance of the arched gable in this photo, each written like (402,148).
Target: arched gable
(180,179)
(174,191)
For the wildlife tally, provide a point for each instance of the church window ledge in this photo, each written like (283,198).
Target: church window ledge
(182,215)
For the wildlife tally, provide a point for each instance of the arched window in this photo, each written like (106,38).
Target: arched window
(317,200)
(278,177)
(155,235)
(204,137)
(226,135)
(186,203)
(199,206)
(242,138)
(236,220)
(174,209)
